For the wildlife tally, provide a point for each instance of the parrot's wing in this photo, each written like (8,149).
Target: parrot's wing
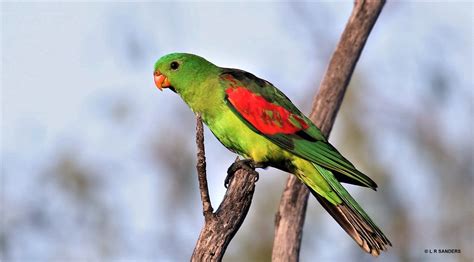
(267,111)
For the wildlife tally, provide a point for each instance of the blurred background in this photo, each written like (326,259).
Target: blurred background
(99,165)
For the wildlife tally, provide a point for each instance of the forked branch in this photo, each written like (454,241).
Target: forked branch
(221,226)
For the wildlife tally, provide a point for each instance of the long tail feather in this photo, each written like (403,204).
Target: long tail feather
(352,218)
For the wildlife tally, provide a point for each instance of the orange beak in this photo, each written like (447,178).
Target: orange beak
(161,81)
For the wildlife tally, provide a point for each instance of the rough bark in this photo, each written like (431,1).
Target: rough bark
(201,170)
(292,210)
(220,227)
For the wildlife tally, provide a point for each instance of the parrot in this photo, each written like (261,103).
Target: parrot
(254,119)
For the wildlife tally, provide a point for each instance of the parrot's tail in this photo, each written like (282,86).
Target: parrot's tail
(352,217)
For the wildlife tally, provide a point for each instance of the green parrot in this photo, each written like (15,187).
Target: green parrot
(254,119)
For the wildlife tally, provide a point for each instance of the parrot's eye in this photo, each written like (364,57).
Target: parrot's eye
(174,65)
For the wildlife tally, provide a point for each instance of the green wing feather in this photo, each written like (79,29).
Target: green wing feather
(309,143)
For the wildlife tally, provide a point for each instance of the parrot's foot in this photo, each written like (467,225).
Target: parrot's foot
(247,164)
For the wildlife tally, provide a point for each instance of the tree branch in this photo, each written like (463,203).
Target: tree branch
(220,227)
(291,213)
(201,170)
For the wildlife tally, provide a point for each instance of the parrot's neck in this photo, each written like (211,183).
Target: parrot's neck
(206,97)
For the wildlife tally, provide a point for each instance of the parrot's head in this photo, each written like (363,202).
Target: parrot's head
(177,71)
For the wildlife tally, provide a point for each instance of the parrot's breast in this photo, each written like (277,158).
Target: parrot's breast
(234,134)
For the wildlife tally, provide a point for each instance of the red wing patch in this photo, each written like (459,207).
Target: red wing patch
(266,117)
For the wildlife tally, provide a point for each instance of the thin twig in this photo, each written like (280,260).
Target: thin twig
(201,170)
(292,210)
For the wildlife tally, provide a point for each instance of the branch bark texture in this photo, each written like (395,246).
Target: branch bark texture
(220,227)
(292,210)
(201,170)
